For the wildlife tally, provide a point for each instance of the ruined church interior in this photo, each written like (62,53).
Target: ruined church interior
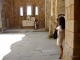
(21,39)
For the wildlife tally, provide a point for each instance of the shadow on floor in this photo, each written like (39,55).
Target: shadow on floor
(32,46)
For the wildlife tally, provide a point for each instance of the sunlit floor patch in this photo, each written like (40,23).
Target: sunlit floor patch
(6,40)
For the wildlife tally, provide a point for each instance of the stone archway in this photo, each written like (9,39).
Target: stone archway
(6,14)
(57,7)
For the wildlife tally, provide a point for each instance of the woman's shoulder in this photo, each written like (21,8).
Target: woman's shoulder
(58,27)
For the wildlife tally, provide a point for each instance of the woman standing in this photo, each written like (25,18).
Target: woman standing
(61,34)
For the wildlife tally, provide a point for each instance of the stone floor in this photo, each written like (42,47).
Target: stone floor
(28,45)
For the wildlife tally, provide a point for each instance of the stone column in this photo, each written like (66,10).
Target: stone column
(52,20)
(48,21)
(56,7)
(53,17)
(72,33)
(47,14)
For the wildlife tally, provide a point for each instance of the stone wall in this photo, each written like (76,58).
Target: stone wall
(11,15)
(69,33)
(72,33)
(6,14)
(24,3)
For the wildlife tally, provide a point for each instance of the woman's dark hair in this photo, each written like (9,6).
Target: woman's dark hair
(62,22)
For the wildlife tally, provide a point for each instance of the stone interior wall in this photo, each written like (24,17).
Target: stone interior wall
(6,14)
(24,3)
(11,16)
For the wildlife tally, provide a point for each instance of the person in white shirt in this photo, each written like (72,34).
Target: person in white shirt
(36,24)
(61,34)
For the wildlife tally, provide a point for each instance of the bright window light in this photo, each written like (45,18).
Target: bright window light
(36,10)
(21,11)
(29,12)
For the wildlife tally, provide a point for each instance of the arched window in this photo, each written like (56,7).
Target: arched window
(21,11)
(36,10)
(29,11)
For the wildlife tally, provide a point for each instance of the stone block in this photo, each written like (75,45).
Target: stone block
(66,37)
(69,38)
(66,48)
(66,14)
(67,56)
(67,3)
(64,57)
(69,25)
(72,12)
(71,52)
(71,1)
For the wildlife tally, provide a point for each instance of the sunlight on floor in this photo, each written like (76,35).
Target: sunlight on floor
(6,40)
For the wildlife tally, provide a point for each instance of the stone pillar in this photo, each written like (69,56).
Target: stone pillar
(52,17)
(72,33)
(56,11)
(52,20)
(48,22)
(47,14)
